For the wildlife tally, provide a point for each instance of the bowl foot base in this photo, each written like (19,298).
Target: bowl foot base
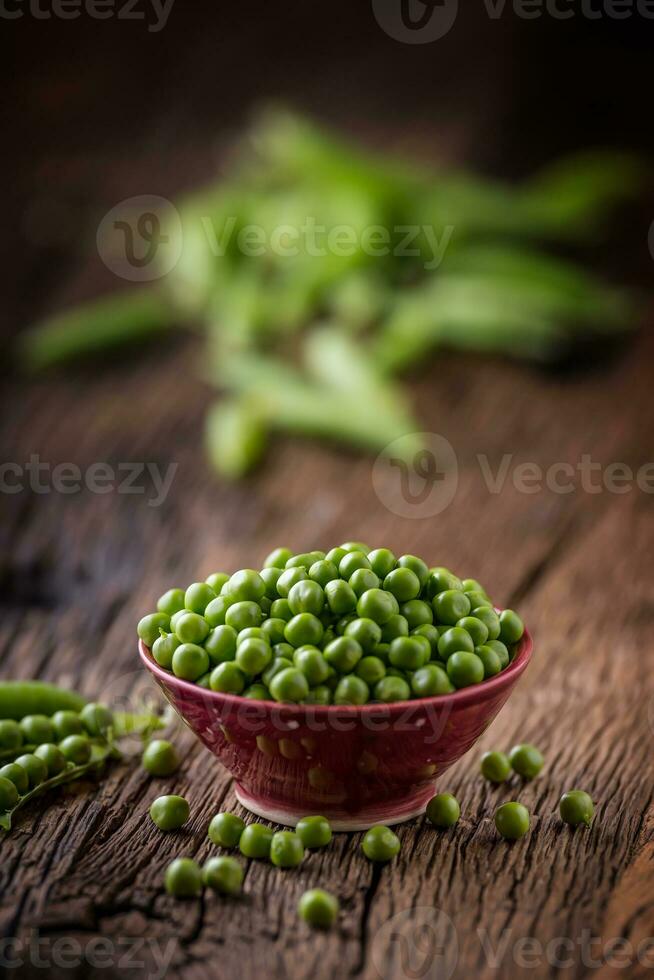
(342,821)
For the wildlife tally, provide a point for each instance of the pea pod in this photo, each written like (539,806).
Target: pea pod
(21,698)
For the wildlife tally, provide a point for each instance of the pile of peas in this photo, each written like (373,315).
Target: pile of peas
(349,626)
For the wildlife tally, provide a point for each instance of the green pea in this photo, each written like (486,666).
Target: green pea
(443,811)
(11,734)
(380,844)
(382,561)
(477,630)
(323,572)
(257,692)
(163,649)
(204,680)
(16,775)
(243,614)
(312,663)
(228,678)
(501,651)
(216,611)
(225,829)
(378,605)
(429,681)
(349,546)
(216,581)
(306,597)
(370,669)
(430,633)
(35,767)
(478,600)
(247,585)
(253,656)
(190,661)
(255,841)
(391,688)
(512,820)
(314,832)
(365,631)
(490,619)
(305,560)
(417,566)
(55,760)
(343,654)
(37,729)
(441,580)
(363,580)
(289,685)
(351,690)
(286,849)
(464,669)
(320,694)
(183,878)
(341,597)
(76,748)
(403,583)
(270,577)
(489,659)
(223,874)
(170,812)
(278,664)
(96,718)
(171,601)
(289,578)
(192,628)
(511,627)
(66,723)
(197,597)
(149,626)
(417,612)
(451,606)
(278,558)
(576,807)
(335,555)
(304,629)
(495,766)
(350,562)
(280,609)
(526,760)
(408,653)
(160,758)
(472,585)
(318,908)
(8,795)
(394,627)
(221,644)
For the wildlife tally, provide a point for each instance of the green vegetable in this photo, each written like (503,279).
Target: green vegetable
(464,669)
(576,807)
(35,768)
(190,661)
(183,878)
(526,760)
(314,832)
(11,735)
(160,758)
(8,795)
(225,829)
(443,811)
(512,820)
(318,908)
(54,758)
(495,766)
(64,723)
(223,874)
(17,775)
(21,698)
(37,729)
(380,844)
(286,849)
(169,812)
(76,748)
(255,841)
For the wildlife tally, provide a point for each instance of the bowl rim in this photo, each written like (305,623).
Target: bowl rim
(476,693)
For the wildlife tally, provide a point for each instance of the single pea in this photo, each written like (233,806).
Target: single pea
(192,628)
(430,632)
(314,831)
(163,649)
(228,678)
(478,599)
(349,546)
(318,908)
(380,844)
(216,611)
(225,829)
(335,555)
(174,620)
(443,811)
(424,643)
(204,680)
(304,629)
(377,605)
(53,757)
(365,631)
(223,874)
(37,729)
(253,656)
(495,766)
(441,580)
(66,723)
(429,681)
(280,609)
(251,633)
(160,758)
(417,566)
(278,558)
(323,572)
(511,627)
(417,612)
(286,849)
(273,629)
(403,583)
(343,653)
(472,585)
(197,597)
(490,619)
(35,767)
(170,812)
(255,841)
(8,795)
(489,659)
(526,760)
(464,669)
(278,664)
(289,685)
(221,644)
(289,578)
(453,640)
(512,820)
(501,651)
(306,597)
(576,807)
(243,614)
(394,627)
(370,669)
(257,692)
(451,606)
(11,734)
(96,718)
(76,748)
(171,601)
(149,626)
(190,661)
(183,878)
(363,580)
(476,628)
(270,577)
(216,581)
(247,585)
(312,663)
(408,653)
(391,688)
(16,775)
(305,560)
(350,562)
(351,690)
(382,561)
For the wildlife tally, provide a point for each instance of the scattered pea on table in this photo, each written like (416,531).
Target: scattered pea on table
(380,844)
(160,758)
(318,908)
(512,820)
(170,812)
(443,811)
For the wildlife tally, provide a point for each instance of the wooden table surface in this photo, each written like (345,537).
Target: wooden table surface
(81,873)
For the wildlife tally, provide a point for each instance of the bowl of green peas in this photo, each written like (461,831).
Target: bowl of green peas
(343,682)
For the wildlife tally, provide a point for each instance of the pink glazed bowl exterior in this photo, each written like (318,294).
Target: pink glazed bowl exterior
(357,766)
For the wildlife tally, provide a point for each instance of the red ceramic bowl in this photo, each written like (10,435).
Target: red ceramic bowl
(358,766)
